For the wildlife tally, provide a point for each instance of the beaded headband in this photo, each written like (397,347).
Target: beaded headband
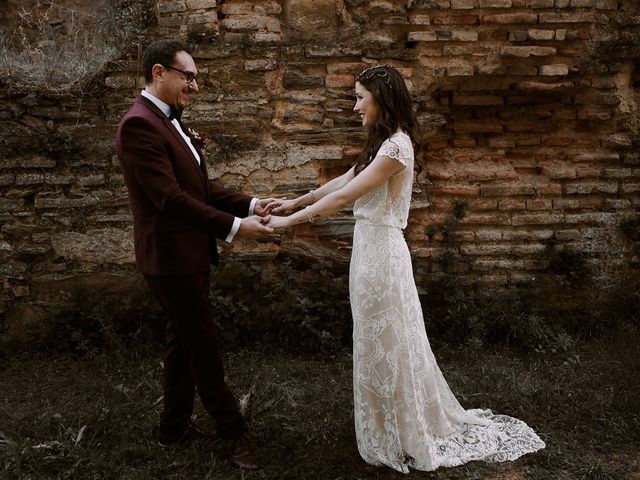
(383,74)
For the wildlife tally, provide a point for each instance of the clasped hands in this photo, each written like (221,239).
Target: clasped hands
(262,222)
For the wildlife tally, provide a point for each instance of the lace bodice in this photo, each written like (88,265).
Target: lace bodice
(389,203)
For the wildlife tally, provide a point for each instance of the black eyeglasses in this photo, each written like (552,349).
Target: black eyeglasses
(190,77)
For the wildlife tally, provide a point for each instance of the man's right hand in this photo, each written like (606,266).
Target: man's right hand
(254,227)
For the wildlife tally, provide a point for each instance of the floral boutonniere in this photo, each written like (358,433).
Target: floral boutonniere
(199,138)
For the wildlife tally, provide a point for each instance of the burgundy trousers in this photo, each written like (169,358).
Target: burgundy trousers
(192,357)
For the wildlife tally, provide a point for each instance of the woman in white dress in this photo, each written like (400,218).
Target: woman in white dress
(405,413)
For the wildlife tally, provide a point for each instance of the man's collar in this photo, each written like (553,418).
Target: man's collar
(164,108)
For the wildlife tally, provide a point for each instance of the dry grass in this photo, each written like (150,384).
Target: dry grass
(94,416)
(57,49)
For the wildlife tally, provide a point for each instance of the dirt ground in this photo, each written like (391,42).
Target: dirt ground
(93,414)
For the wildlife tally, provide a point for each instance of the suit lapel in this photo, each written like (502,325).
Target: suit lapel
(200,168)
(179,138)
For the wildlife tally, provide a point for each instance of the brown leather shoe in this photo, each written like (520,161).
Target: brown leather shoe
(240,453)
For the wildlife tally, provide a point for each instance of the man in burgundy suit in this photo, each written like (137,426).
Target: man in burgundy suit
(177,215)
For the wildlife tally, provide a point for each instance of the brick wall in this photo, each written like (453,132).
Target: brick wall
(530,169)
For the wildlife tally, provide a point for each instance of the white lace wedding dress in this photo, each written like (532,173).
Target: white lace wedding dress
(405,413)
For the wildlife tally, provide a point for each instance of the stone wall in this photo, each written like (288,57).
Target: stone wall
(530,171)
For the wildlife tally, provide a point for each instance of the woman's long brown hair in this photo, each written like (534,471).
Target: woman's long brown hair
(390,92)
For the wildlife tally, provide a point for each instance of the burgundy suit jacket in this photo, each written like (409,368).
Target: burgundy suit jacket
(177,211)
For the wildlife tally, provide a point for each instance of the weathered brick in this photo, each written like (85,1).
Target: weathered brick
(91,180)
(244,8)
(463,4)
(245,23)
(486,219)
(537,219)
(171,6)
(561,34)
(509,18)
(464,36)
(484,265)
(337,51)
(543,86)
(539,204)
(559,172)
(630,187)
(617,141)
(458,19)
(495,3)
(601,218)
(537,34)
(506,190)
(573,17)
(420,19)
(554,70)
(511,204)
(422,37)
(37,162)
(56,179)
(566,204)
(477,127)
(478,174)
(7,179)
(474,50)
(502,249)
(582,3)
(274,25)
(588,171)
(459,70)
(517,36)
(540,3)
(271,8)
(527,51)
(618,172)
(488,234)
(29,178)
(595,157)
(541,127)
(597,98)
(43,201)
(617,203)
(339,81)
(548,189)
(260,65)
(11,204)
(528,141)
(477,100)
(556,141)
(295,81)
(483,204)
(606,4)
(591,187)
(460,142)
(456,190)
(200,4)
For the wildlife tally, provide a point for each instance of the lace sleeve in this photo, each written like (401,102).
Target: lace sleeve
(391,149)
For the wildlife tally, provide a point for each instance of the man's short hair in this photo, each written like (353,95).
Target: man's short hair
(162,52)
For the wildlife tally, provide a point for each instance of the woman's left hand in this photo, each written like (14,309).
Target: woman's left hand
(279,223)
